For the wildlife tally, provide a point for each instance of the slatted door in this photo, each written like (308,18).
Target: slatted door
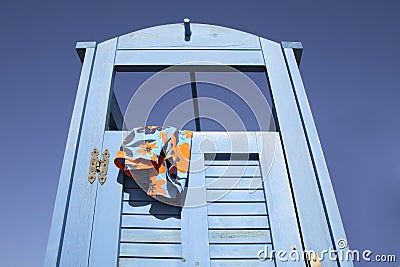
(238,203)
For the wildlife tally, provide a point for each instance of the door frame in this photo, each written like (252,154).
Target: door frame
(316,207)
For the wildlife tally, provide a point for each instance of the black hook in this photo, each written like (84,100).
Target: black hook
(188,32)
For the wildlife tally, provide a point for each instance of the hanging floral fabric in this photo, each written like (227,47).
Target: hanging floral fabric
(157,158)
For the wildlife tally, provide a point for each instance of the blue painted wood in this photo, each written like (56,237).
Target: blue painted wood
(223,236)
(233,251)
(232,162)
(308,200)
(233,195)
(151,250)
(250,183)
(321,169)
(148,262)
(203,37)
(224,142)
(220,222)
(106,222)
(241,263)
(232,171)
(150,221)
(282,217)
(194,217)
(156,208)
(237,209)
(78,228)
(176,57)
(151,235)
(67,170)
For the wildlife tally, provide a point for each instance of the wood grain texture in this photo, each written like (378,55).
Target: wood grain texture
(61,204)
(204,36)
(107,216)
(199,57)
(78,227)
(307,196)
(220,222)
(321,169)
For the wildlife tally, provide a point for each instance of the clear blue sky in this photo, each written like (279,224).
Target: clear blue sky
(350,68)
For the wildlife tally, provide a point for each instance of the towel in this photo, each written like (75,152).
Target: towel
(157,158)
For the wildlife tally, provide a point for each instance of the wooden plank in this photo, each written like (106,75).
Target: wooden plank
(154,208)
(237,251)
(150,221)
(231,162)
(137,194)
(235,196)
(224,142)
(54,243)
(218,222)
(307,196)
(78,226)
(198,57)
(328,195)
(233,171)
(106,224)
(242,263)
(150,250)
(234,183)
(143,262)
(204,36)
(239,236)
(282,215)
(150,235)
(237,209)
(194,217)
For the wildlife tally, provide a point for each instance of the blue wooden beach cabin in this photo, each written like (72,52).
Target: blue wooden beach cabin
(250,191)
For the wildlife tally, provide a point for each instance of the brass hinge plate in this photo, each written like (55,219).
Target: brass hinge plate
(98,166)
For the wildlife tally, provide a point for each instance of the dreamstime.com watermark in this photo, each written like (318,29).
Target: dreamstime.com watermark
(340,254)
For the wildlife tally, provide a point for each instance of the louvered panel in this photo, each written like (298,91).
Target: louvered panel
(150,230)
(238,220)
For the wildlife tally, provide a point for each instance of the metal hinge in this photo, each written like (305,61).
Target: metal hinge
(98,166)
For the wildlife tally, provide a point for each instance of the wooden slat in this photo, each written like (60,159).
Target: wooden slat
(224,142)
(106,225)
(194,217)
(235,195)
(143,262)
(149,221)
(150,235)
(237,251)
(232,162)
(234,182)
(242,263)
(137,194)
(67,170)
(232,171)
(332,210)
(150,250)
(239,236)
(175,57)
(78,226)
(205,36)
(154,208)
(218,222)
(306,191)
(237,209)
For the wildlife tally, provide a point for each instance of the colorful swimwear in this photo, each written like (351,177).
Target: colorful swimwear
(157,158)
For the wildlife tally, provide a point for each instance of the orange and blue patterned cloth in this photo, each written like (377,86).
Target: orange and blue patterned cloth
(157,158)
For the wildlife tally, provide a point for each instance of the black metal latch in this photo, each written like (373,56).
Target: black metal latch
(98,166)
